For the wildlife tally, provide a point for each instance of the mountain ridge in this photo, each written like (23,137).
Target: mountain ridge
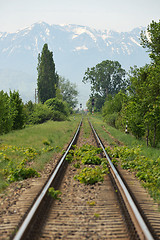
(74,47)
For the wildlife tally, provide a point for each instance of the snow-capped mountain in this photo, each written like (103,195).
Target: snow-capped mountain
(75,48)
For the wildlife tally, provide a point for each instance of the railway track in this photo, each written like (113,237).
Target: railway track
(104,210)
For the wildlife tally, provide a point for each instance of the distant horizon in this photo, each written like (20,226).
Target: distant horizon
(67,24)
(119,16)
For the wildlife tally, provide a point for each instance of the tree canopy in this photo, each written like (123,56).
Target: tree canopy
(47,77)
(69,91)
(106,78)
(12,114)
(150,39)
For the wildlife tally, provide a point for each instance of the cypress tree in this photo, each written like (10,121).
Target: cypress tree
(47,78)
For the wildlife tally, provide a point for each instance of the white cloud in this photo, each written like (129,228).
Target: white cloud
(81,48)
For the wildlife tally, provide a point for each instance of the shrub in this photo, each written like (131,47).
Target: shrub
(59,109)
(41,114)
(21,173)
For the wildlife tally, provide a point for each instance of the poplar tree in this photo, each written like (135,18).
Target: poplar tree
(47,77)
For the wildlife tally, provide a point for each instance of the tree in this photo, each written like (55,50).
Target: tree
(68,91)
(6,121)
(151,39)
(106,78)
(47,77)
(143,108)
(112,108)
(17,110)
(12,113)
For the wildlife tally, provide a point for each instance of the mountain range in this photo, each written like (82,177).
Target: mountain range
(74,47)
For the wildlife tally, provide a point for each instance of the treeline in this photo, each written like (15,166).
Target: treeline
(14,114)
(133,101)
(57,98)
(11,112)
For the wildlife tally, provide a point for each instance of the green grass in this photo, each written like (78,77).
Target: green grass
(86,128)
(126,139)
(33,146)
(134,155)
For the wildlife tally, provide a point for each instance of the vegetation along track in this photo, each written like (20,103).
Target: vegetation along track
(92,202)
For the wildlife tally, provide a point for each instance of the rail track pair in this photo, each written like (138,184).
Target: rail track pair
(138,228)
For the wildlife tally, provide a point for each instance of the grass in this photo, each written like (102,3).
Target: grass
(33,146)
(134,155)
(126,139)
(86,128)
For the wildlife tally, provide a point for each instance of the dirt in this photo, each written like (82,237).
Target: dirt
(18,197)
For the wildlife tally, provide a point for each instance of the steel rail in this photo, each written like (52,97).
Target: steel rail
(142,228)
(19,235)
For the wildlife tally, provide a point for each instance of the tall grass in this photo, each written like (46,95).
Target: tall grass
(36,143)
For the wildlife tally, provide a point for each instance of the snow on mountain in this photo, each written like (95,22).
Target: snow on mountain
(75,48)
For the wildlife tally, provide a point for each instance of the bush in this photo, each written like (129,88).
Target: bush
(58,116)
(40,114)
(59,109)
(111,119)
(53,109)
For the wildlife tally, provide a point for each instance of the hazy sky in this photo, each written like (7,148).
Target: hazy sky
(119,15)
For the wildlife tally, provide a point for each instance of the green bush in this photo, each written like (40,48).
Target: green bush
(53,109)
(111,119)
(59,109)
(40,114)
(58,116)
(21,173)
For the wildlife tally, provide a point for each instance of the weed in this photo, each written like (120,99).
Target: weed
(70,156)
(46,142)
(97,215)
(90,175)
(88,155)
(77,165)
(92,203)
(21,173)
(54,193)
(147,170)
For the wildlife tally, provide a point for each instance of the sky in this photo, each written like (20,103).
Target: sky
(117,15)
